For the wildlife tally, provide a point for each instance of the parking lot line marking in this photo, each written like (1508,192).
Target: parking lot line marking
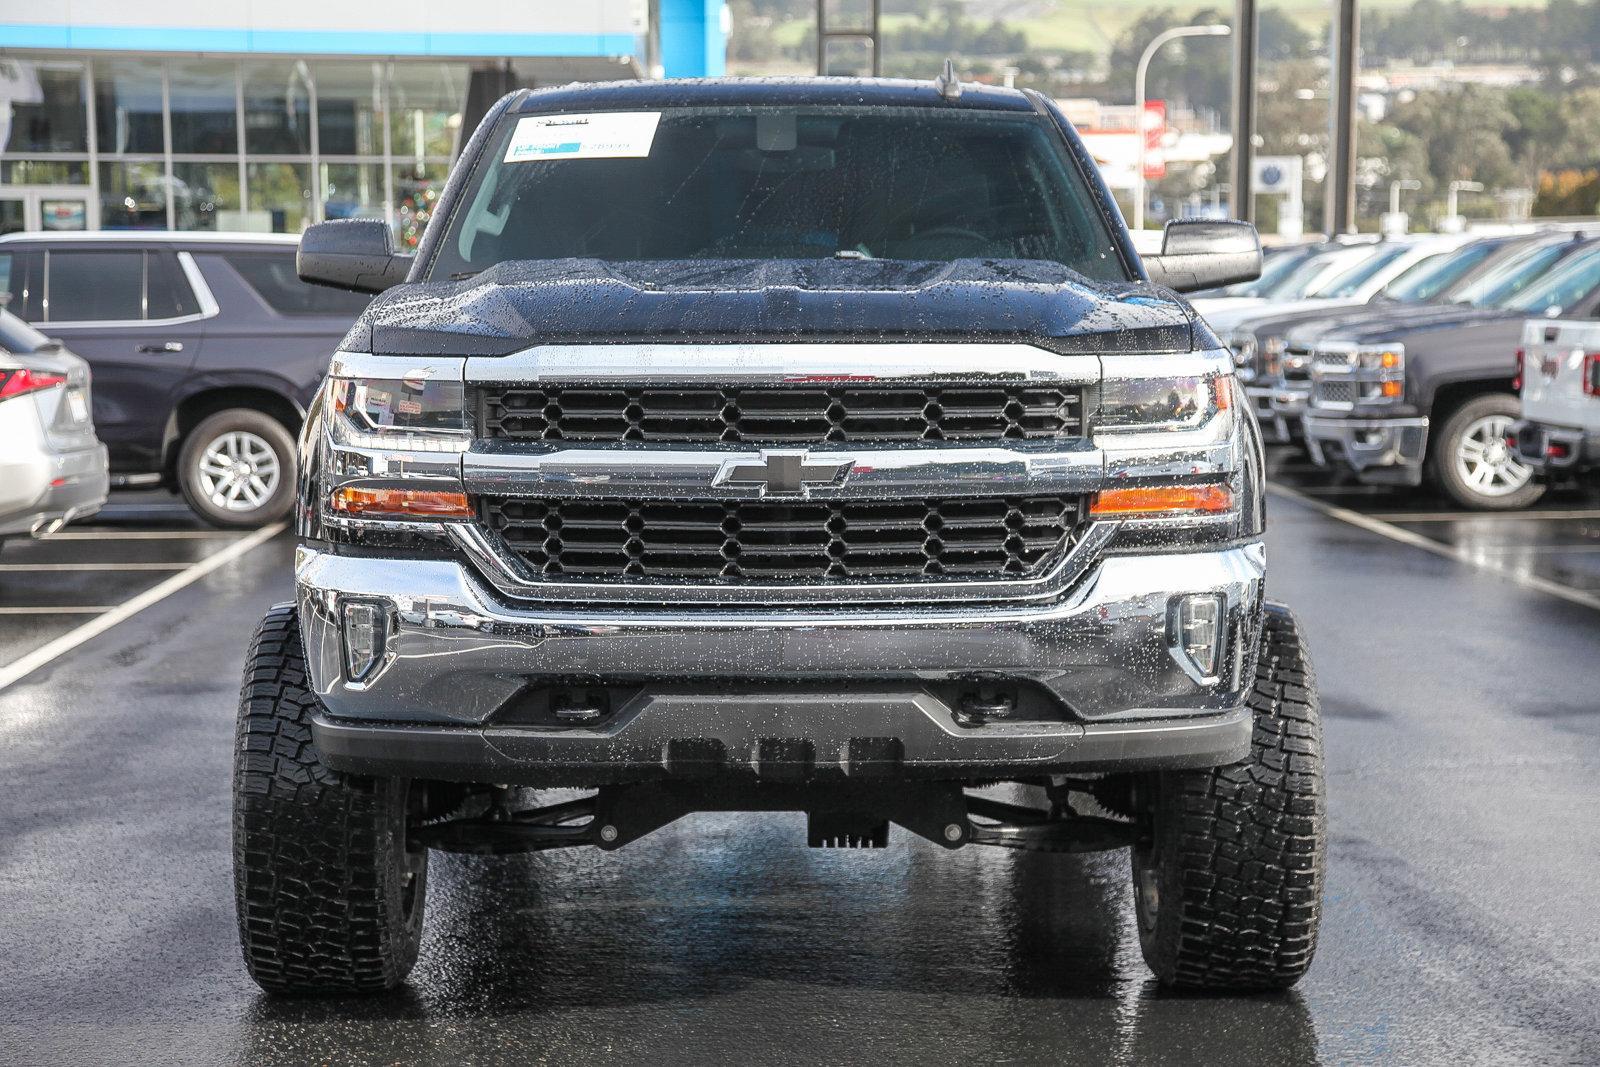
(1438,548)
(138,535)
(1484,516)
(76,609)
(22,568)
(70,640)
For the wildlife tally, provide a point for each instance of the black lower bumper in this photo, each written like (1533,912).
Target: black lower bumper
(1556,449)
(890,736)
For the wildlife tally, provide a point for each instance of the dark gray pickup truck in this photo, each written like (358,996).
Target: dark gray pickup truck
(815,446)
(1433,393)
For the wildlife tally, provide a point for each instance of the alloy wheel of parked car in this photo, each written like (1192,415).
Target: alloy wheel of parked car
(1475,465)
(236,469)
(239,471)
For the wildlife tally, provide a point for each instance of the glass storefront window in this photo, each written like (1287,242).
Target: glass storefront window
(205,196)
(280,197)
(133,196)
(43,172)
(425,101)
(277,108)
(204,103)
(416,190)
(49,112)
(127,103)
(353,191)
(349,106)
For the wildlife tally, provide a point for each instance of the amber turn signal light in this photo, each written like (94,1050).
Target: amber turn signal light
(1151,500)
(406,503)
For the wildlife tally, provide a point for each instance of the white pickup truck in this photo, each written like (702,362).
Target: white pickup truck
(1559,433)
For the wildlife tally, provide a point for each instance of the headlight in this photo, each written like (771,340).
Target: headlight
(415,413)
(1382,372)
(1272,361)
(1243,345)
(1182,403)
(394,446)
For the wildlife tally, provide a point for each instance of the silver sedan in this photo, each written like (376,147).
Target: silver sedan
(52,466)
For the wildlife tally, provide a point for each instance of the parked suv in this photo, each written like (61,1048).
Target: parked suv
(817,446)
(52,468)
(205,348)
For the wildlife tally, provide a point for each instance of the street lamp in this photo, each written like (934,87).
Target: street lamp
(1461,187)
(1162,38)
(1394,192)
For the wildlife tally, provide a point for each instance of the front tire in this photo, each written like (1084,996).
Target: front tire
(1472,463)
(237,469)
(329,895)
(1228,878)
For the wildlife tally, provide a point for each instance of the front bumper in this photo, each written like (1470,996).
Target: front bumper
(63,486)
(1278,408)
(1385,451)
(1576,450)
(777,692)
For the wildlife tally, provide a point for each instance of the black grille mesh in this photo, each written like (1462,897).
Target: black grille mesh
(779,415)
(967,537)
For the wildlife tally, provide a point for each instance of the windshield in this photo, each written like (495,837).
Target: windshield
(1319,268)
(1507,280)
(1348,283)
(1277,267)
(1562,287)
(1436,274)
(778,183)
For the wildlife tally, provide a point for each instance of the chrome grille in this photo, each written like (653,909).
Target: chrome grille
(1333,358)
(816,541)
(1330,394)
(793,415)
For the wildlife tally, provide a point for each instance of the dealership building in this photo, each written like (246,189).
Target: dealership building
(267,117)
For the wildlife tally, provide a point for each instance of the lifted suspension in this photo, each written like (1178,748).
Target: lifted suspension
(849,815)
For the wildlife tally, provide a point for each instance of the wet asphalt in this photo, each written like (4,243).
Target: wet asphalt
(1463,733)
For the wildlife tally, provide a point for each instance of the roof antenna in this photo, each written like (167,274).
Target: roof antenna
(947,84)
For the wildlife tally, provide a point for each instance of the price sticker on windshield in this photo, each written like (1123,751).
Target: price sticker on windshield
(602,135)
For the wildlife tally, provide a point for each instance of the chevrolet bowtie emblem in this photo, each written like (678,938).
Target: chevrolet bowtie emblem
(784,473)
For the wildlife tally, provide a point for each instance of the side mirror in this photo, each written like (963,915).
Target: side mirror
(354,254)
(1202,254)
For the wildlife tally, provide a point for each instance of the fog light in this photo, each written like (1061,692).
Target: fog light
(366,635)
(1197,630)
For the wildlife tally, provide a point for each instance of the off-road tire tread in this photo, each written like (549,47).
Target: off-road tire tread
(319,907)
(1247,842)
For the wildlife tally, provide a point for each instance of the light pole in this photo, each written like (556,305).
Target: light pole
(1162,38)
(1460,187)
(1394,192)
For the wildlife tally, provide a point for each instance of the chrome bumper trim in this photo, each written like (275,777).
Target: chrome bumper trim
(456,654)
(1366,444)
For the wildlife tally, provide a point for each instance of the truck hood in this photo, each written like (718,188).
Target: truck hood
(514,305)
(1402,323)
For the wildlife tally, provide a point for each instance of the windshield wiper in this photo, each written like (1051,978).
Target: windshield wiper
(462,275)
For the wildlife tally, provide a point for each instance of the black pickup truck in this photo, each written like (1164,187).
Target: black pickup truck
(1433,393)
(817,446)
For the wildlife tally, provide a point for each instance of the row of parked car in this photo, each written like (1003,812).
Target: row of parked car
(205,351)
(1401,361)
